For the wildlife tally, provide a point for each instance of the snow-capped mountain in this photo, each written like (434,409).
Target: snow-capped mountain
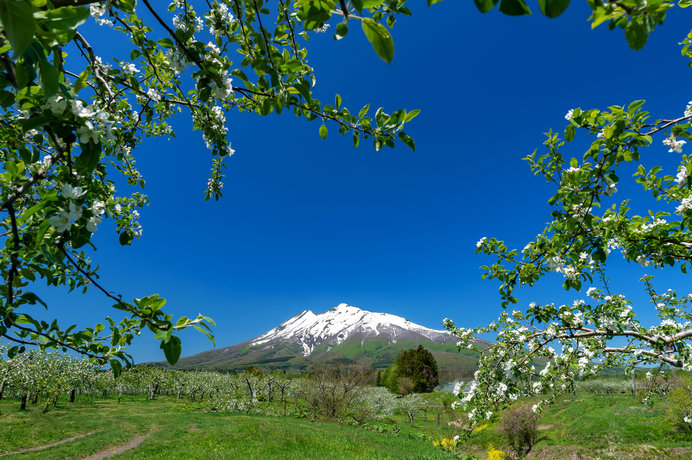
(345,322)
(344,334)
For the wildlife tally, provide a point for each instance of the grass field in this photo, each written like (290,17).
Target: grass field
(584,426)
(175,432)
(576,426)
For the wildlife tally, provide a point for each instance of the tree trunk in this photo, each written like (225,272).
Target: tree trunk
(284,407)
(153,391)
(2,387)
(22,405)
(410,419)
(55,401)
(438,417)
(73,394)
(35,399)
(45,408)
(425,414)
(180,390)
(120,393)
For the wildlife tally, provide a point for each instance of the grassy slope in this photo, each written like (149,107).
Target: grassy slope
(581,426)
(377,353)
(183,434)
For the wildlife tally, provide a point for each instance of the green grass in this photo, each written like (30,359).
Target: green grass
(600,426)
(591,426)
(176,432)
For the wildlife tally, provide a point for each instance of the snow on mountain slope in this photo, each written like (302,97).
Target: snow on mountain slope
(343,322)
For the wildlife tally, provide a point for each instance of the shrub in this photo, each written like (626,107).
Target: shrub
(496,454)
(520,425)
(405,385)
(680,404)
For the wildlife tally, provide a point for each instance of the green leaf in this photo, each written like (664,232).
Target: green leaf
(514,7)
(380,38)
(166,43)
(66,17)
(172,349)
(314,13)
(116,367)
(408,140)
(483,5)
(48,75)
(33,122)
(553,8)
(341,30)
(125,238)
(637,33)
(81,81)
(207,333)
(358,5)
(17,18)
(323,132)
(432,2)
(634,106)
(411,115)
(569,133)
(371,3)
(79,236)
(87,161)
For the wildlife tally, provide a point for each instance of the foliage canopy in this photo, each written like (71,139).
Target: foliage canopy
(72,119)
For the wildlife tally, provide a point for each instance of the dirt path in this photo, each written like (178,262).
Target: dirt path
(110,452)
(48,446)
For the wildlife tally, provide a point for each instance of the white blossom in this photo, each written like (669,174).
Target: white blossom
(75,211)
(72,192)
(128,68)
(685,205)
(569,114)
(222,91)
(98,207)
(153,95)
(323,29)
(87,133)
(674,144)
(92,223)
(457,388)
(56,104)
(61,222)
(97,10)
(79,110)
(681,178)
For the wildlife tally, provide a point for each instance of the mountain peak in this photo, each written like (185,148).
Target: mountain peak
(344,322)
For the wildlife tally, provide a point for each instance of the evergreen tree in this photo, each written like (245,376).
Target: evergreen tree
(418,365)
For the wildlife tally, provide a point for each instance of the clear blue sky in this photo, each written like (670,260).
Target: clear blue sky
(307,224)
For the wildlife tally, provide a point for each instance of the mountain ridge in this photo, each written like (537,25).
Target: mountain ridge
(343,333)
